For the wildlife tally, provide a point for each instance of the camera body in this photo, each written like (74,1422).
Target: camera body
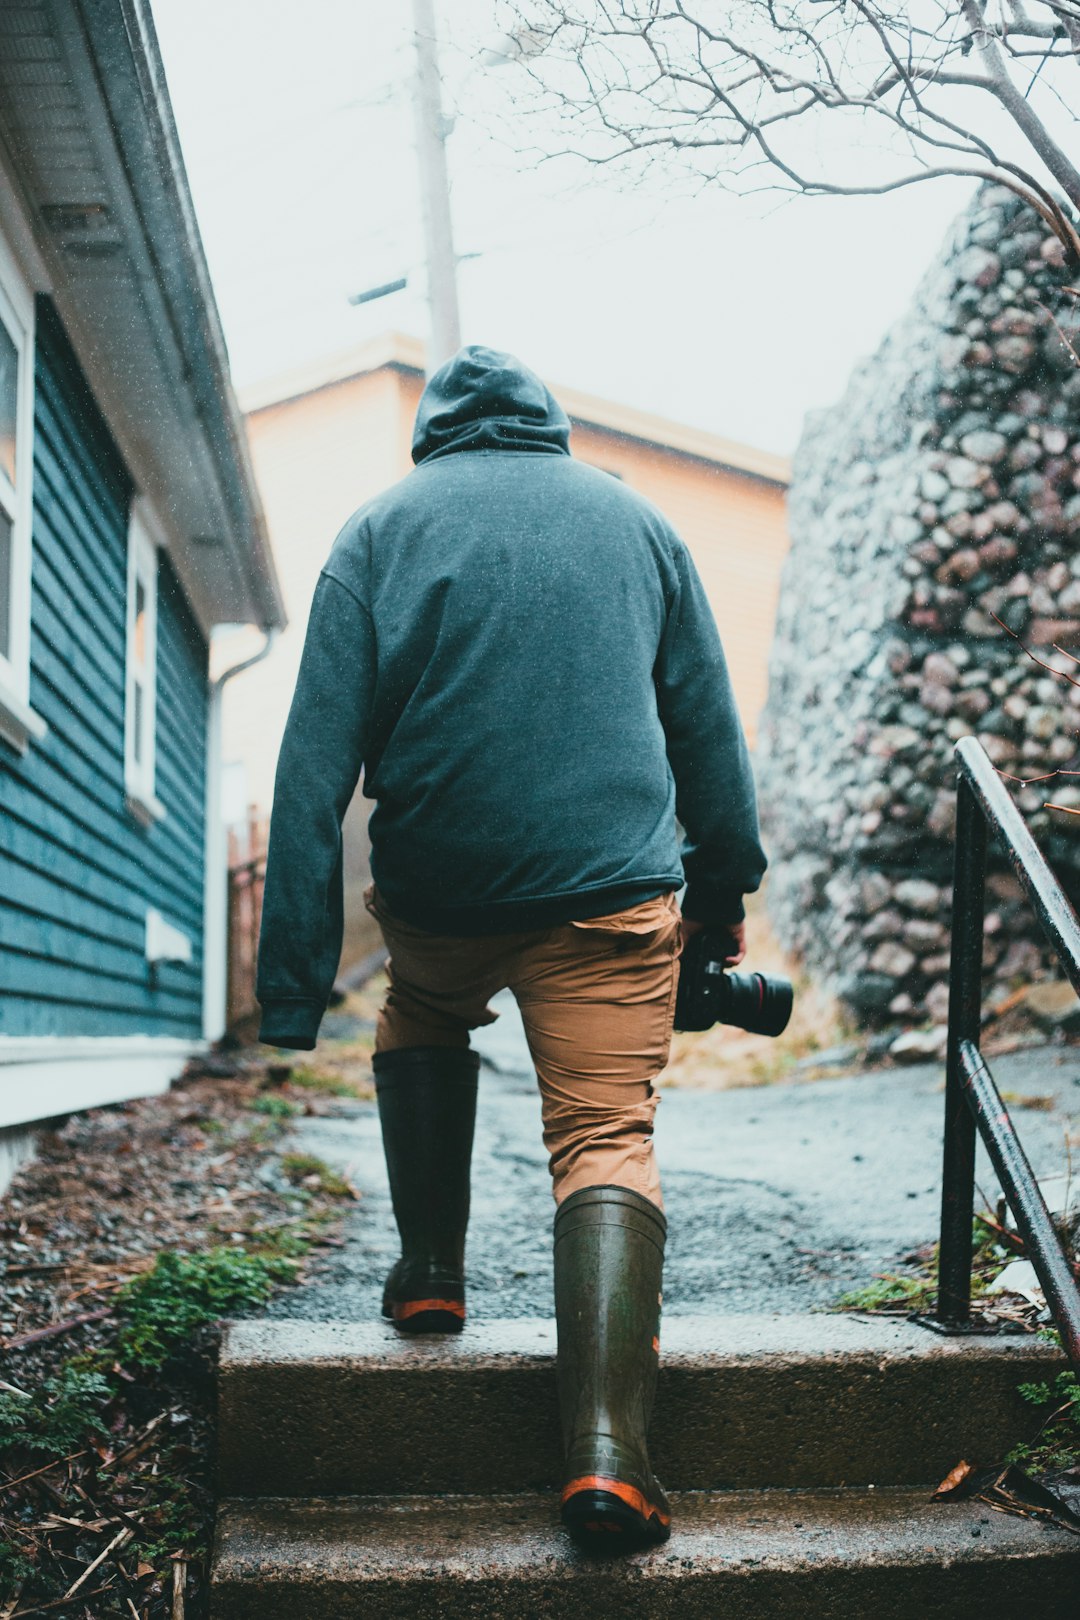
(707,995)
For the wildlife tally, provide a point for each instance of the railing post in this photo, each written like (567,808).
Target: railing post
(965,1019)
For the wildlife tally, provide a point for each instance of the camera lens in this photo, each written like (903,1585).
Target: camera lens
(757,1002)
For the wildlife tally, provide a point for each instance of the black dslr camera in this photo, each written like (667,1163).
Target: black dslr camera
(756,1002)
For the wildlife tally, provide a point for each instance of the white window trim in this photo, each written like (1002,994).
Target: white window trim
(18,722)
(142,563)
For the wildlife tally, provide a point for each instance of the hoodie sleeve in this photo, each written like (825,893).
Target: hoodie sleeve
(714,787)
(318,768)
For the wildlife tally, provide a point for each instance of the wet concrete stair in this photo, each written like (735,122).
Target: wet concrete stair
(367,1475)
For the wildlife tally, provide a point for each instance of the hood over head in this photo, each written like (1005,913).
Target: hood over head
(484,399)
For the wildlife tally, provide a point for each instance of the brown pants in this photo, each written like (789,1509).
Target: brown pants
(597,999)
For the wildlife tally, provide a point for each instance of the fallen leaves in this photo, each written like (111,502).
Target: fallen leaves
(116,1525)
(1007,1489)
(954,1479)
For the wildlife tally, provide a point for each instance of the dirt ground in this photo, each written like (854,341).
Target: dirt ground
(121,1244)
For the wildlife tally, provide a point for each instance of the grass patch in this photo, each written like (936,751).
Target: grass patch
(305,1170)
(912,1293)
(158,1349)
(75,1413)
(891,1294)
(271,1106)
(323,1083)
(158,1211)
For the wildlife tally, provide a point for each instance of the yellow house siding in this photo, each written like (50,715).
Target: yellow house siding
(316,459)
(735,528)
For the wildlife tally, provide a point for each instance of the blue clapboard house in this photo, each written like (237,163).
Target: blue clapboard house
(129,528)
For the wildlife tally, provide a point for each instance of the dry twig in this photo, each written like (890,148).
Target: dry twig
(58,1603)
(55,1329)
(1059,673)
(9,1484)
(179,1580)
(121,1539)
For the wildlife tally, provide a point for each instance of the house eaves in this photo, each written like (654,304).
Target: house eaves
(88,139)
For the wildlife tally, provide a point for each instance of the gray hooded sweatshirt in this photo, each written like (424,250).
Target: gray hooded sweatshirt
(516,651)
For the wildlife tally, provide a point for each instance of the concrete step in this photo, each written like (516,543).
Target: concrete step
(743,1402)
(787,1555)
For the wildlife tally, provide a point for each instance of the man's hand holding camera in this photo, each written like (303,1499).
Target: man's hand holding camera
(710,993)
(733,945)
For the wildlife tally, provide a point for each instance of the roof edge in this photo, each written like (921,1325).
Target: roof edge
(107,229)
(217,396)
(399,351)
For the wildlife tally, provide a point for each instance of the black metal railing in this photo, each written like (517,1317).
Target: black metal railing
(972,1100)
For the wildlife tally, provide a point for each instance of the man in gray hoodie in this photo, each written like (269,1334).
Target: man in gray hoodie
(517,652)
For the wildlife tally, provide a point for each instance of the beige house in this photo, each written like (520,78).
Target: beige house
(326,438)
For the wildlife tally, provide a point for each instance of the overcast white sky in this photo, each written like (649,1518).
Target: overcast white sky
(734,314)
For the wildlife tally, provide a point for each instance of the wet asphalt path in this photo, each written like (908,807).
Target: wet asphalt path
(779,1198)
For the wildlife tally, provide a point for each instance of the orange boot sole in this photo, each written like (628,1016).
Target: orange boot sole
(426,1315)
(607,1515)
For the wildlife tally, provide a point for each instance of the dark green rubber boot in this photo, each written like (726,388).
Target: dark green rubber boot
(609,1257)
(427,1109)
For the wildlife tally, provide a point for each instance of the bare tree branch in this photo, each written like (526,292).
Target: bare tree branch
(1018,107)
(741,89)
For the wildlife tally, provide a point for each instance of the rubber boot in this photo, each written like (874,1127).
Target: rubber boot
(609,1255)
(427,1109)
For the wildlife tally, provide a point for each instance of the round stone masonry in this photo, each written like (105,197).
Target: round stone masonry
(932,592)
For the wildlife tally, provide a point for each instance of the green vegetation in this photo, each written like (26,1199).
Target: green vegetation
(120,1422)
(306,1170)
(275,1107)
(891,1293)
(15,1567)
(327,1085)
(174,1520)
(908,1294)
(55,1418)
(1056,1446)
(183,1292)
(159,1315)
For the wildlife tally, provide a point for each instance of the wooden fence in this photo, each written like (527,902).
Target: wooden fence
(247,874)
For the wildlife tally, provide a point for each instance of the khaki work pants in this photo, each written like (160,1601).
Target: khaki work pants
(597,999)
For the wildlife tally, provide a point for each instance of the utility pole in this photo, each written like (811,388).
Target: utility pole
(431,131)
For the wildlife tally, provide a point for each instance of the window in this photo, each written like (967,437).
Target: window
(18,723)
(141,694)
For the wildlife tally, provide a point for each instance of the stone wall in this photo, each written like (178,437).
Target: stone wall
(943,489)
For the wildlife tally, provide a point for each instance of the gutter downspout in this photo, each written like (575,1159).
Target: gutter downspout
(216,856)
